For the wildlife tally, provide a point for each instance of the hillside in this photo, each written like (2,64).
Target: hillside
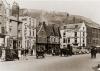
(58,17)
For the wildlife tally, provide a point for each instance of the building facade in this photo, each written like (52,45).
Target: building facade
(74,34)
(4,19)
(53,37)
(28,32)
(48,36)
(93,35)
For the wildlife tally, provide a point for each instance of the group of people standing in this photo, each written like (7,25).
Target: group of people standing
(26,51)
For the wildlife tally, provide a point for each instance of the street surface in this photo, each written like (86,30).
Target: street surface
(52,63)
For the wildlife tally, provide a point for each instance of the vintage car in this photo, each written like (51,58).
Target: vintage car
(40,51)
(56,51)
(11,54)
(66,51)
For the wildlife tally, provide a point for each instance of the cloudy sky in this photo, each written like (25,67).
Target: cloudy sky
(87,8)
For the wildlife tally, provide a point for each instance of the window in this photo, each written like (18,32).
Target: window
(83,45)
(75,34)
(25,26)
(83,34)
(64,34)
(33,33)
(76,26)
(75,40)
(83,40)
(10,29)
(0,6)
(3,30)
(54,39)
(64,40)
(64,46)
(68,40)
(83,28)
(64,27)
(30,32)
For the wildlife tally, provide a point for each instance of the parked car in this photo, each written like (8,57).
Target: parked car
(40,51)
(84,51)
(76,51)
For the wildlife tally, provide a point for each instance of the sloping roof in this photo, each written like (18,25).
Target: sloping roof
(93,25)
(78,19)
(75,27)
(49,30)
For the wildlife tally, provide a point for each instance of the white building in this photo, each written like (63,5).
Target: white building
(74,34)
(28,32)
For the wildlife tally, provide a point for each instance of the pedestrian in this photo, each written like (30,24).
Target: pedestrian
(31,52)
(95,52)
(69,49)
(92,52)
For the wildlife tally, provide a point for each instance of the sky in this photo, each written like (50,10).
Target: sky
(87,8)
